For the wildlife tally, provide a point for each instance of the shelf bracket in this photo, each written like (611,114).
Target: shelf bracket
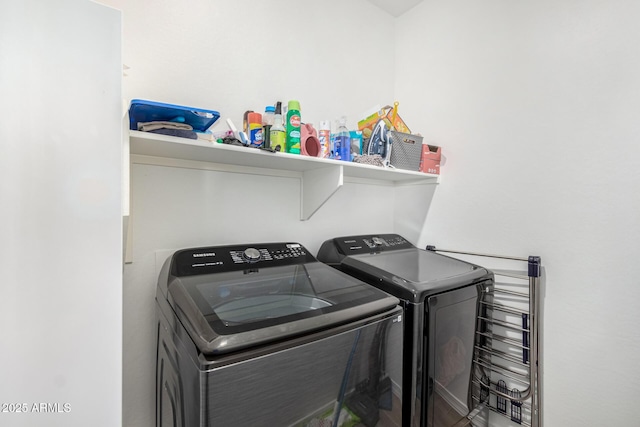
(318,185)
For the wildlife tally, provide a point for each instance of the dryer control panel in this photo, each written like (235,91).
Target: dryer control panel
(371,243)
(218,259)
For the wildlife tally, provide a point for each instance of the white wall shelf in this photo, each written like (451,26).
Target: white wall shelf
(320,178)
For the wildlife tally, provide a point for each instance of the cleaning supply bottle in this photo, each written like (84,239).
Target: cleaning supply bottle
(277,137)
(254,126)
(342,141)
(267,122)
(356,143)
(293,127)
(324,135)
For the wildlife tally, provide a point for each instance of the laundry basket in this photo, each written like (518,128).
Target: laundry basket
(406,150)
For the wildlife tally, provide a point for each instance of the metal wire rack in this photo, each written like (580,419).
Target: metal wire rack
(507,363)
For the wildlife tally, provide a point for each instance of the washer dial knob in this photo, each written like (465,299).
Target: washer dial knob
(251,254)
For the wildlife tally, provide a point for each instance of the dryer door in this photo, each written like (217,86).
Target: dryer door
(452,319)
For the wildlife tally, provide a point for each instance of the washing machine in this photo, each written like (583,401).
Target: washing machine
(265,335)
(442,298)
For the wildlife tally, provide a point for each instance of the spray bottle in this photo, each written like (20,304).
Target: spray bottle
(342,141)
(267,122)
(277,134)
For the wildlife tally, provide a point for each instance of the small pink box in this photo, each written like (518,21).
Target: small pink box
(430,159)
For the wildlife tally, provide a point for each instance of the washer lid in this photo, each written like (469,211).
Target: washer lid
(232,310)
(413,273)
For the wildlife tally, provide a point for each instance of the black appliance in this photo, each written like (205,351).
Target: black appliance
(442,299)
(265,335)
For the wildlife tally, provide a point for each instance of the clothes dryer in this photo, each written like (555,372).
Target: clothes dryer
(442,298)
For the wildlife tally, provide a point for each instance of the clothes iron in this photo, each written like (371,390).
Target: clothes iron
(380,143)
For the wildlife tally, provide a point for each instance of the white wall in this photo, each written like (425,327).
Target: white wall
(236,55)
(536,105)
(60,214)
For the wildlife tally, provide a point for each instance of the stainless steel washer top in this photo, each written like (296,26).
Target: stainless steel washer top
(235,297)
(392,263)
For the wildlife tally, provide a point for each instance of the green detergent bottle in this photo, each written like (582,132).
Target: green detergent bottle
(293,127)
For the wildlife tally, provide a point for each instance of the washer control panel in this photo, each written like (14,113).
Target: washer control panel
(371,243)
(217,259)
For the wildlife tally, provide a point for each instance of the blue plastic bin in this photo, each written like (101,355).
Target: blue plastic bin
(142,111)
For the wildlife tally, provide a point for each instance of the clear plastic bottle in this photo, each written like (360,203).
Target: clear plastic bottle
(277,135)
(267,121)
(342,141)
